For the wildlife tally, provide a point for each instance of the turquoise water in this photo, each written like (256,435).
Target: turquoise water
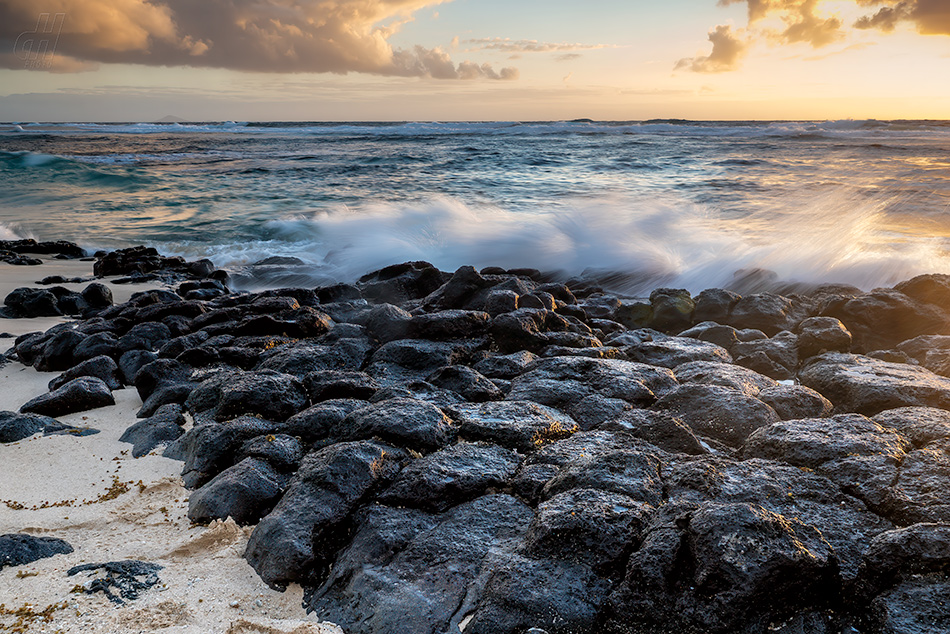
(687,203)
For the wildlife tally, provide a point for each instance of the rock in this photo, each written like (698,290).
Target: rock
(400,282)
(409,423)
(324,385)
(323,494)
(920,425)
(78,395)
(101,367)
(280,451)
(767,312)
(729,375)
(776,357)
(406,572)
(519,425)
(131,362)
(317,422)
(156,374)
(451,476)
(17,549)
(714,305)
(304,357)
(120,575)
(657,428)
(501,301)
(97,295)
(56,354)
(32,302)
(588,526)
(174,347)
(718,412)
(918,494)
(860,384)
(792,492)
(388,323)
(466,382)
(904,578)
(174,394)
(593,410)
(99,344)
(822,334)
(792,402)
(676,351)
(521,592)
(209,448)
(883,318)
(558,381)
(747,565)
(626,471)
(163,427)
(930,289)
(150,335)
(450,324)
(506,366)
(244,492)
(533,329)
(723,336)
(15,426)
(414,359)
(672,309)
(264,393)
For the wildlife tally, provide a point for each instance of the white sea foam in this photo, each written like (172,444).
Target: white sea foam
(833,237)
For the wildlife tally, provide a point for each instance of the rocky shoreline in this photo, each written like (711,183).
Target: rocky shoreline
(502,452)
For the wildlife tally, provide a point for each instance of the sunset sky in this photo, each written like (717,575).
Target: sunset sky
(139,60)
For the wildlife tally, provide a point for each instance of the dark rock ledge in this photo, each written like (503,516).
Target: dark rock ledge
(497,452)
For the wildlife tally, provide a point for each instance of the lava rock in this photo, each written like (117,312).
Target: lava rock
(729,375)
(162,427)
(17,549)
(855,383)
(822,334)
(520,425)
(792,402)
(658,428)
(244,492)
(320,499)
(466,382)
(319,421)
(78,395)
(101,367)
(718,412)
(409,423)
(324,385)
(15,426)
(451,476)
(675,351)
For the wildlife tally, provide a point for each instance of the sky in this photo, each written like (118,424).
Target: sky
(360,60)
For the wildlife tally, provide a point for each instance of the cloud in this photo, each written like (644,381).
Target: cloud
(568,57)
(728,50)
(804,22)
(508,45)
(931,17)
(329,36)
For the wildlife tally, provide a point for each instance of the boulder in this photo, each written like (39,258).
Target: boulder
(18,549)
(451,476)
(409,423)
(822,334)
(466,382)
(729,375)
(15,426)
(163,427)
(410,572)
(796,401)
(721,413)
(675,351)
(78,395)
(101,367)
(856,383)
(520,425)
(319,500)
(244,492)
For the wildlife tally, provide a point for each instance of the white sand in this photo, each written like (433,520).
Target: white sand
(60,486)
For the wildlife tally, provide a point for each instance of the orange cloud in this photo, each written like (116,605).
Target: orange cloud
(805,23)
(726,54)
(330,36)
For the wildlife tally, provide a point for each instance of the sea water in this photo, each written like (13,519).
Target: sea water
(675,203)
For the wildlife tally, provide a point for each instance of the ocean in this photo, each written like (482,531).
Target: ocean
(643,204)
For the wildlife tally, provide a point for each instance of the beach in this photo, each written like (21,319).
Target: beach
(109,506)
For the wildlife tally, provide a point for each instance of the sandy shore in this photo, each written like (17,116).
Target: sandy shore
(90,492)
